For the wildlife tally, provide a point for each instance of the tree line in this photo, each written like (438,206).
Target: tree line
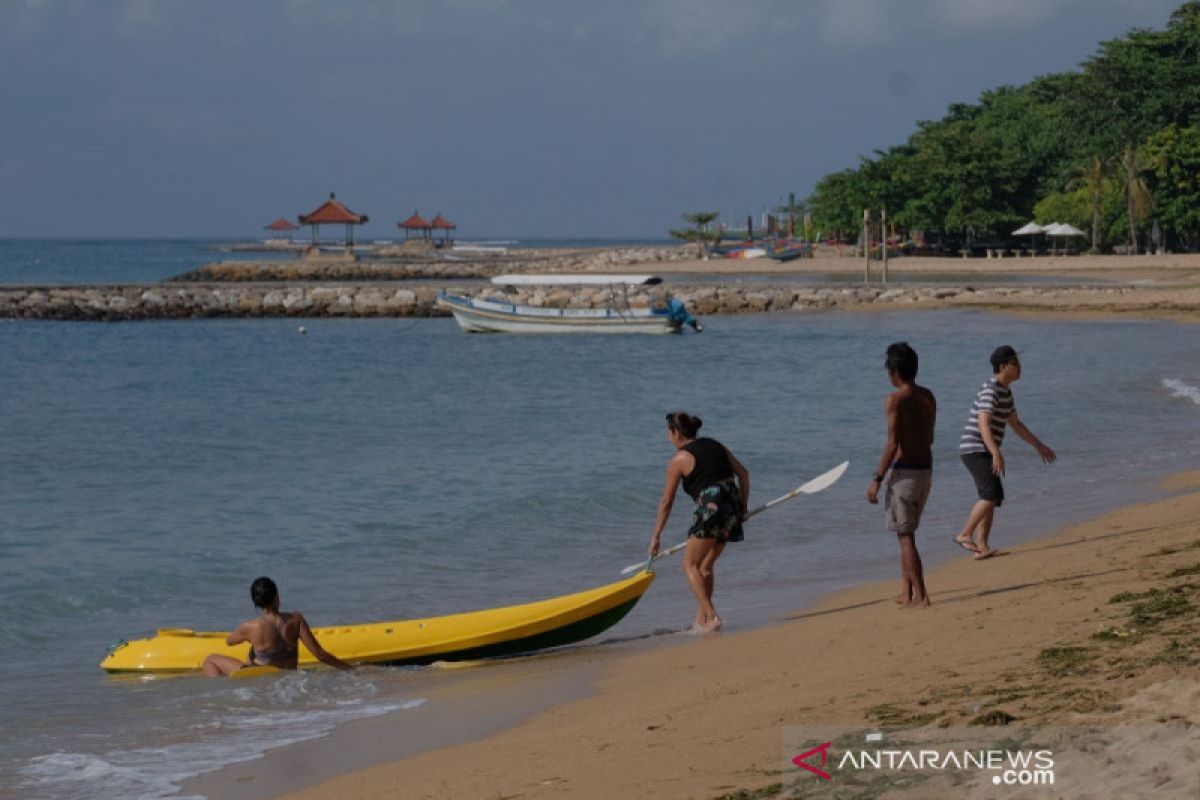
(1113,149)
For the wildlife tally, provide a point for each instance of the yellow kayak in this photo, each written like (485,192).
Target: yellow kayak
(457,637)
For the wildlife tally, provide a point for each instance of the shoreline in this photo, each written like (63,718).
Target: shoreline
(624,713)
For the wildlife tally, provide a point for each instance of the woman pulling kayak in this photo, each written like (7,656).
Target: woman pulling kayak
(274,637)
(707,470)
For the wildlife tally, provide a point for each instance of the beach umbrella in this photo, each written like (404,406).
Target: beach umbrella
(1063,229)
(1028,229)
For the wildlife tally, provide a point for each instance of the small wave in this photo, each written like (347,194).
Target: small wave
(1178,388)
(153,773)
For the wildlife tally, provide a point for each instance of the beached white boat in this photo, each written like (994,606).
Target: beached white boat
(747,252)
(496,315)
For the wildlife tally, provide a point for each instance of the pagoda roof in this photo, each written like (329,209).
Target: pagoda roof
(281,224)
(332,212)
(415,222)
(441,222)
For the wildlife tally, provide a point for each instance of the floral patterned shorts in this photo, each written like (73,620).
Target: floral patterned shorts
(718,514)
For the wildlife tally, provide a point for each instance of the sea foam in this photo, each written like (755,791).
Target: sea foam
(1178,388)
(152,773)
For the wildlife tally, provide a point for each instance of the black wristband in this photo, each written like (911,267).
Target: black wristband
(877,478)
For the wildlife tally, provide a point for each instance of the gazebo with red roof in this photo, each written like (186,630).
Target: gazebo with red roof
(444,225)
(281,225)
(415,223)
(331,212)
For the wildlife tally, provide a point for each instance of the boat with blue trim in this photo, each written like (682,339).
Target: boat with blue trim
(495,314)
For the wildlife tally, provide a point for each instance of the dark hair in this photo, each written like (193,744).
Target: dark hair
(684,423)
(1004,354)
(902,360)
(264,593)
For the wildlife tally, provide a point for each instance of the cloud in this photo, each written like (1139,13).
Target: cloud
(146,15)
(855,22)
(975,14)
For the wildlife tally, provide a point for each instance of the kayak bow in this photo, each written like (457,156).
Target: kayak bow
(476,634)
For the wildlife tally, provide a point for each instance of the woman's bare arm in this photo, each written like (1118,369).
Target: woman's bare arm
(675,470)
(314,647)
(238,635)
(743,477)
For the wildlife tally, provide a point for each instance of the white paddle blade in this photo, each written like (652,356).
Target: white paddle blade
(826,480)
(823,481)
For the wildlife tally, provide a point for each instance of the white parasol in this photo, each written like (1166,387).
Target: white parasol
(1062,229)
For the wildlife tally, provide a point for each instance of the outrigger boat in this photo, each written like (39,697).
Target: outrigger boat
(496,315)
(458,637)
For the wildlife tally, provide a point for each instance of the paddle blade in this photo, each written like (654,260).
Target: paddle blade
(825,480)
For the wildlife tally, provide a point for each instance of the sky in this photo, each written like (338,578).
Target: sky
(514,118)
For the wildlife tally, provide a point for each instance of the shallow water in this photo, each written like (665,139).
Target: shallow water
(380,469)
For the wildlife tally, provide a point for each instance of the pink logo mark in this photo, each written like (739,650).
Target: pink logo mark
(823,749)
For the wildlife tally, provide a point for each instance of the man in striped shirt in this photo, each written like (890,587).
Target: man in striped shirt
(979,447)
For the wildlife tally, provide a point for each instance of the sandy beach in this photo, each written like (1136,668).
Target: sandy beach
(1182,267)
(1095,625)
(1040,637)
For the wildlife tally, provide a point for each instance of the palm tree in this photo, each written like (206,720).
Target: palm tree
(699,230)
(1093,176)
(1138,200)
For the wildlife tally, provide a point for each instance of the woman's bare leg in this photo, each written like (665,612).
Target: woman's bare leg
(694,556)
(708,573)
(219,666)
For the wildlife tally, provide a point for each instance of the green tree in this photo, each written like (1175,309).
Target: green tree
(1092,177)
(837,203)
(1173,156)
(699,229)
(985,166)
(1073,208)
(1138,200)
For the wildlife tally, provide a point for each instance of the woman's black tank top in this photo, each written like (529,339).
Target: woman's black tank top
(712,465)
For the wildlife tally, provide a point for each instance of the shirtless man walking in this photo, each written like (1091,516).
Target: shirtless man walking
(911,413)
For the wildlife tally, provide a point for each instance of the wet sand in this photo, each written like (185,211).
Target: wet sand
(1055,633)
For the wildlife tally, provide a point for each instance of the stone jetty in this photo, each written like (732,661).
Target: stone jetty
(197,300)
(399,264)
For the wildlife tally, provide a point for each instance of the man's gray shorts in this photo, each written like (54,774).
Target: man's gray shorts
(907,491)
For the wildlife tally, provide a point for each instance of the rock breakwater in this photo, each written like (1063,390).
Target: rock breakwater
(437,265)
(195,300)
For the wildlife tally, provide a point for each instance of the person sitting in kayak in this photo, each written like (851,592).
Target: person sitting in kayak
(707,470)
(273,636)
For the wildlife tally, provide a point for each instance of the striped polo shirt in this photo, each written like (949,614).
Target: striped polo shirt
(992,399)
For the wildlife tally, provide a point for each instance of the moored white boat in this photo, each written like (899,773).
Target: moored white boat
(496,315)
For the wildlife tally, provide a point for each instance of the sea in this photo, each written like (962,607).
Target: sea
(390,468)
(52,262)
